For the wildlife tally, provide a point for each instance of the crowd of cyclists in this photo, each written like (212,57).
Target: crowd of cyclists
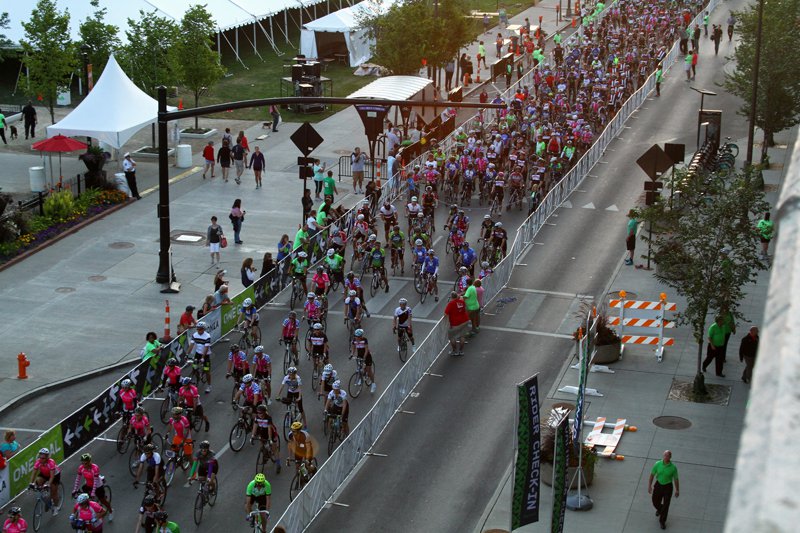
(501,164)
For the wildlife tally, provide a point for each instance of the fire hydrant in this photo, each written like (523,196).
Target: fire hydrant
(23,364)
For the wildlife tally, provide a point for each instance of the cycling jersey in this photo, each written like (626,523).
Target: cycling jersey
(239,360)
(88,514)
(292,385)
(467,257)
(189,396)
(462,283)
(250,313)
(251,391)
(299,266)
(290,328)
(498,234)
(397,239)
(378,256)
(420,253)
(301,445)
(360,344)
(181,426)
(152,461)
(206,464)
(90,476)
(321,280)
(253,490)
(140,425)
(430,265)
(172,374)
(485,272)
(403,317)
(261,363)
(337,399)
(389,214)
(202,343)
(414,208)
(352,304)
(318,341)
(263,422)
(17,526)
(352,285)
(334,263)
(312,309)
(46,467)
(328,377)
(128,398)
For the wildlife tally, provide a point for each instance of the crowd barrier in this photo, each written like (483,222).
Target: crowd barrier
(335,470)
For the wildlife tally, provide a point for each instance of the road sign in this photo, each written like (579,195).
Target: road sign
(305,160)
(653,185)
(306,172)
(676,152)
(306,138)
(654,162)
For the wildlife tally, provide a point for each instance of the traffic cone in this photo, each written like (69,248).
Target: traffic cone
(573,22)
(478,79)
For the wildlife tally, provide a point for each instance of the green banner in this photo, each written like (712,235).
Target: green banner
(527,471)
(20,466)
(560,478)
(230,313)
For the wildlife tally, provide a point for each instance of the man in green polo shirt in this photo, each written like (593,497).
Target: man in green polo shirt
(716,342)
(473,307)
(665,474)
(329,185)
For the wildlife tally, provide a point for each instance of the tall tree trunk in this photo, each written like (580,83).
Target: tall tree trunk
(196,104)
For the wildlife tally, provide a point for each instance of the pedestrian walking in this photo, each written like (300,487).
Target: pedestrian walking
(665,473)
(449,70)
(239,159)
(729,327)
(208,156)
(357,161)
(276,116)
(766,230)
(485,23)
(695,58)
(129,168)
(227,136)
(329,186)
(716,342)
(684,41)
(482,55)
(630,236)
(687,66)
(242,139)
(319,178)
(498,43)
(30,119)
(306,202)
(237,219)
(696,37)
(3,127)
(705,23)
(458,318)
(214,236)
(224,160)
(659,78)
(257,163)
(731,24)
(248,272)
(503,16)
(747,353)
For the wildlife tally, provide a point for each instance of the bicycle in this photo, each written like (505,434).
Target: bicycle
(336,435)
(352,326)
(418,283)
(138,450)
(466,194)
(158,491)
(240,430)
(292,415)
(265,456)
(427,286)
(194,419)
(258,521)
(297,293)
(204,496)
(359,378)
(169,401)
(124,436)
(515,198)
(251,335)
(200,369)
(378,281)
(398,259)
(495,208)
(237,381)
(402,344)
(317,370)
(301,477)
(176,460)
(290,356)
(44,503)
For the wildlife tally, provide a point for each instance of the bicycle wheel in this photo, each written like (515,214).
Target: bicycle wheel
(315,374)
(169,470)
(295,487)
(294,297)
(262,460)
(734,149)
(123,440)
(60,491)
(255,335)
(418,282)
(109,495)
(425,288)
(374,284)
(355,384)
(402,347)
(212,496)
(38,511)
(158,441)
(164,411)
(307,342)
(235,404)
(199,503)
(287,359)
(161,494)
(238,436)
(287,425)
(245,341)
(448,247)
(133,461)
(332,442)
(197,421)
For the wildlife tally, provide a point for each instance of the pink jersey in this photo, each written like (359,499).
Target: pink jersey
(312,309)
(290,328)
(181,426)
(173,374)
(140,425)
(89,513)
(321,280)
(20,526)
(189,396)
(45,467)
(128,398)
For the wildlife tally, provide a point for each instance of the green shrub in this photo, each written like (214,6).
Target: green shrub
(60,206)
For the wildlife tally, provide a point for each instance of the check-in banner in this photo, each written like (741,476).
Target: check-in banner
(527,472)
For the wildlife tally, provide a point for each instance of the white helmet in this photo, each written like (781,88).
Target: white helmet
(247,378)
(328,368)
(311,295)
(418,242)
(498,224)
(403,301)
(352,292)
(413,198)
(302,254)
(317,326)
(258,349)
(373,237)
(360,217)
(337,385)
(247,302)
(330,252)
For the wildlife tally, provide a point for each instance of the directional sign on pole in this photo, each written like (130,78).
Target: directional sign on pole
(676,152)
(654,162)
(306,138)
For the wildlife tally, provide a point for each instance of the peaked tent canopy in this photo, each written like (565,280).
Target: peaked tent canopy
(112,113)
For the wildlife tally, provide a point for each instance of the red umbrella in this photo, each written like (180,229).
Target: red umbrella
(59,144)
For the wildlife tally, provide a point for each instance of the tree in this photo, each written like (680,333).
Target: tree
(778,105)
(5,42)
(199,64)
(710,213)
(99,37)
(147,58)
(49,52)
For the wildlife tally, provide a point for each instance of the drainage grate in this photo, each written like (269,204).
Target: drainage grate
(121,245)
(187,237)
(672,422)
(65,290)
(97,278)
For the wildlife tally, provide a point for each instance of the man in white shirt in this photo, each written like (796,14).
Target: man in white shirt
(129,168)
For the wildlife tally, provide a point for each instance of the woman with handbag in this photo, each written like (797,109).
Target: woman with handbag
(216,240)
(237,218)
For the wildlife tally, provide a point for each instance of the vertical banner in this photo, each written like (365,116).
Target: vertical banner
(5,486)
(585,353)
(560,459)
(525,500)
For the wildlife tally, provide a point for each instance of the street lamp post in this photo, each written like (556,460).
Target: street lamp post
(85,49)
(703,93)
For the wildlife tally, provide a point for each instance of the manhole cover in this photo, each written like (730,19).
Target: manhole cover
(121,245)
(65,290)
(187,237)
(672,422)
(97,278)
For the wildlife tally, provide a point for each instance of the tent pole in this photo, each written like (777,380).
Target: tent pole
(235,50)
(255,51)
(219,48)
(236,39)
(286,24)
(255,40)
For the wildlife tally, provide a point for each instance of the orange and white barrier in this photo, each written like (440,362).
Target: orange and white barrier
(609,441)
(167,336)
(642,317)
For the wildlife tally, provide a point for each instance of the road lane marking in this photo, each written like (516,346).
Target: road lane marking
(551,293)
(391,317)
(527,332)
(179,177)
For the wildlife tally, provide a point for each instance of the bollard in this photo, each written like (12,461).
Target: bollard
(167,336)
(22,365)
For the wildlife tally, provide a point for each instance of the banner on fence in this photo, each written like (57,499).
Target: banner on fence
(20,466)
(525,500)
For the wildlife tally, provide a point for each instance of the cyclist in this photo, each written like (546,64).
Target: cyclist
(378,261)
(237,363)
(151,459)
(259,492)
(468,257)
(15,523)
(517,183)
(189,398)
(353,308)
(318,344)
(264,429)
(360,233)
(419,234)
(419,252)
(140,425)
(249,315)
(326,379)
(397,243)
(337,405)
(183,431)
(402,321)
(335,264)
(463,281)
(301,448)
(46,471)
(127,397)
(429,203)
(290,331)
(171,377)
(498,188)
(312,309)
(89,512)
(298,268)
(200,346)
(321,282)
(251,392)
(486,270)
(294,392)
(486,227)
(389,215)
(430,266)
(413,208)
(164,525)
(147,515)
(359,349)
(262,366)
(499,237)
(93,483)
(205,466)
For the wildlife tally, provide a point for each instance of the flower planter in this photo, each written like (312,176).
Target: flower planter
(185,133)
(147,152)
(607,353)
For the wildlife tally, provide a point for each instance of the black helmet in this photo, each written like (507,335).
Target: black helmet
(205,445)
(161,516)
(148,500)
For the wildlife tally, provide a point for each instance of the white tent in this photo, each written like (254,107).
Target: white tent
(112,113)
(338,32)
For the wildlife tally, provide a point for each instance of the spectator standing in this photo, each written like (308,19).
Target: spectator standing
(248,272)
(10,446)
(242,139)
(357,161)
(716,341)
(695,58)
(307,202)
(485,23)
(696,37)
(498,44)
(478,284)
(687,66)
(766,230)
(152,346)
(659,78)
(473,307)
(319,177)
(257,163)
(665,473)
(219,279)
(284,247)
(729,326)
(207,307)
(208,156)
(456,313)
(747,353)
(329,186)
(267,264)
(276,116)
(731,23)
(237,219)
(129,168)
(705,23)
(503,16)
(630,236)
(224,160)
(449,70)
(239,159)
(187,320)
(214,237)
(30,119)
(221,297)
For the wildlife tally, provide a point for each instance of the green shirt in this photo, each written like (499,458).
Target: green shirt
(471,298)
(765,228)
(659,75)
(330,185)
(299,266)
(252,490)
(150,350)
(169,527)
(335,263)
(716,335)
(632,226)
(322,217)
(557,38)
(299,237)
(397,239)
(729,324)
(664,473)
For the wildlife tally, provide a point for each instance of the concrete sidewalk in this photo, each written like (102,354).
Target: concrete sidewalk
(639,391)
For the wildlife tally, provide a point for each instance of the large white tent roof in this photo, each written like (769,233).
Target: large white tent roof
(228,14)
(393,88)
(112,112)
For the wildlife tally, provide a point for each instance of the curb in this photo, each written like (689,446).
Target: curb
(66,381)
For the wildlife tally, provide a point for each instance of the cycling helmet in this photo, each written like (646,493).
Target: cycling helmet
(261,408)
(302,254)
(431,251)
(317,326)
(14,511)
(350,274)
(328,368)
(485,264)
(140,410)
(454,207)
(86,457)
(498,224)
(465,244)
(149,448)
(247,302)
(83,498)
(201,325)
(360,217)
(291,370)
(247,378)
(311,295)
(491,165)
(319,269)
(337,385)
(234,347)
(148,500)
(260,478)
(414,198)
(418,242)
(161,516)
(352,292)
(293,313)
(372,237)
(172,362)
(403,301)
(487,217)
(365,201)
(205,445)
(297,426)
(126,383)
(429,188)
(501,174)
(462,269)
(258,349)
(460,211)
(330,252)
(420,215)
(186,380)
(359,332)
(177,410)
(44,451)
